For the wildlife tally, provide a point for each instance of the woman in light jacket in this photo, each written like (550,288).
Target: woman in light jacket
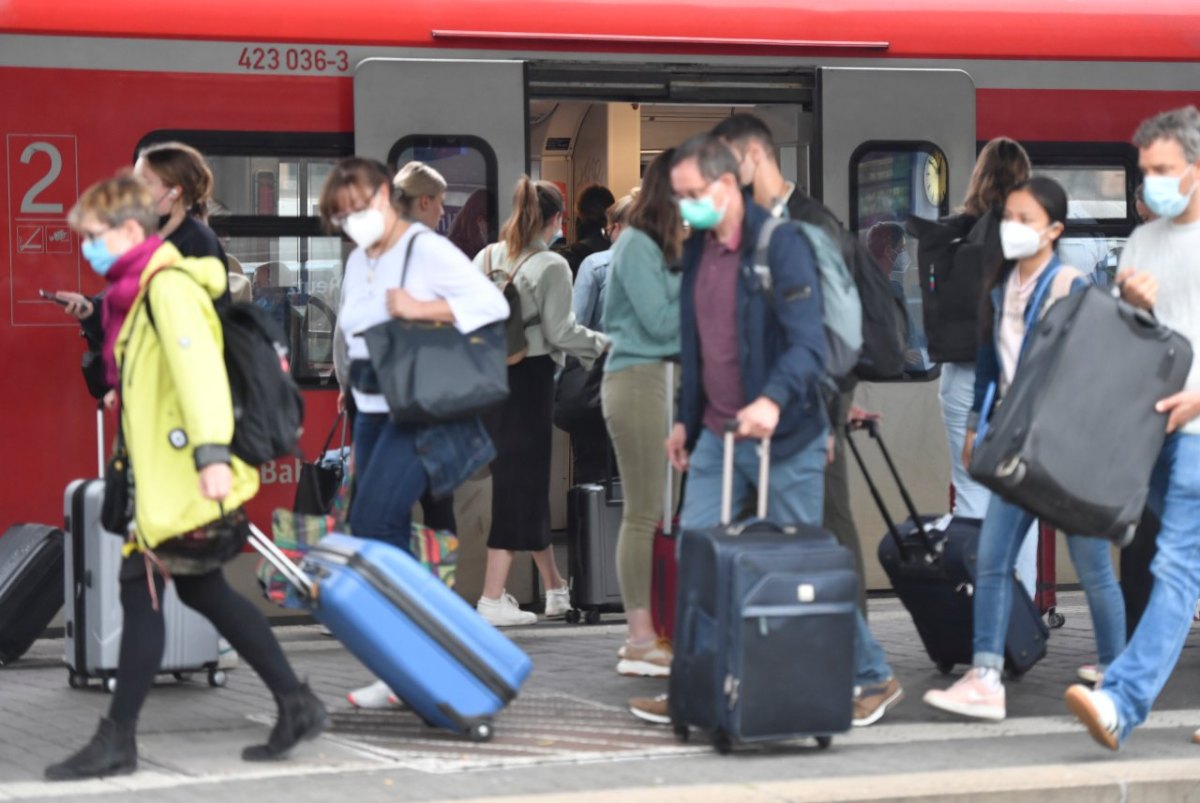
(395,464)
(641,316)
(521,427)
(177,422)
(1019,292)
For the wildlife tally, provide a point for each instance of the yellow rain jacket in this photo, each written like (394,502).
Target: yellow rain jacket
(175,396)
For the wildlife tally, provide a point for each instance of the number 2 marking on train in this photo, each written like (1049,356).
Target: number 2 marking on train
(30,204)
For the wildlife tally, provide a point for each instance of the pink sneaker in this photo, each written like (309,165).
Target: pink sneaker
(971,696)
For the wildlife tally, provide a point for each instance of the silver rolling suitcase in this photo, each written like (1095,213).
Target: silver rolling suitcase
(93,599)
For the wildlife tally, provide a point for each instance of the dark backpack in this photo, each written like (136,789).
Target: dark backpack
(268,410)
(514,328)
(953,257)
(884,319)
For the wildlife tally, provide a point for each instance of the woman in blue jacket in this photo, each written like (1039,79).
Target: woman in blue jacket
(1027,283)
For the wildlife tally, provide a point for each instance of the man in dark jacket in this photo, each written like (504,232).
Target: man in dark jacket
(751,143)
(753,352)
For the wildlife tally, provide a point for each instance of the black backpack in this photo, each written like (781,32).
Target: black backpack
(954,255)
(268,410)
(884,320)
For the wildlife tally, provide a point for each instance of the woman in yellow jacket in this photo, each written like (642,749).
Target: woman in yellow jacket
(177,422)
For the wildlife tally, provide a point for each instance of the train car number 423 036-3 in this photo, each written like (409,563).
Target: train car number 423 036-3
(264,59)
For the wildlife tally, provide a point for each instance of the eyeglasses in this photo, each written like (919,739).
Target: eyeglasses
(92,236)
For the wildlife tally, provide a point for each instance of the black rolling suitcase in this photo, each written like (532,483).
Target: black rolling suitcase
(930,561)
(31,585)
(593,525)
(764,629)
(1076,437)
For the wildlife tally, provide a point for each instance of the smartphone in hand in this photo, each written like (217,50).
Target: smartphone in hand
(53,297)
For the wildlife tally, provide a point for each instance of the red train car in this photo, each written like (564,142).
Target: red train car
(878,108)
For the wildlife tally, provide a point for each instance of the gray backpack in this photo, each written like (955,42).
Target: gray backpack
(841,308)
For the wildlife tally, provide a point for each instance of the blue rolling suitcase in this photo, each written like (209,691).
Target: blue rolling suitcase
(454,669)
(932,569)
(764,629)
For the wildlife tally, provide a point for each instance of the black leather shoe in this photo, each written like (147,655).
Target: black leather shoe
(302,716)
(112,751)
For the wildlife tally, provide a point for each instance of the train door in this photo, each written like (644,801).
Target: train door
(890,143)
(468,120)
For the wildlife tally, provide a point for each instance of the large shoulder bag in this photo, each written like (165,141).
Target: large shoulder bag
(430,372)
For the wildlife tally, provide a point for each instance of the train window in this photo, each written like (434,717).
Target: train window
(266,186)
(469,166)
(888,182)
(1100,178)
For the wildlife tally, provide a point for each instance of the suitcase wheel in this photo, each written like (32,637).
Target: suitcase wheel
(592,617)
(182,677)
(110,685)
(683,732)
(76,680)
(945,667)
(573,616)
(823,742)
(722,743)
(217,678)
(1054,619)
(481,732)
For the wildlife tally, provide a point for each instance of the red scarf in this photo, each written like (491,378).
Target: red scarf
(124,283)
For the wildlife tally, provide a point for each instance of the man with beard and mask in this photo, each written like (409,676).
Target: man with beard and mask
(748,137)
(1160,270)
(760,363)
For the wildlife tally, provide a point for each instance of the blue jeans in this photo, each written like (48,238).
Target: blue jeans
(998,545)
(1135,679)
(389,478)
(796,493)
(957,395)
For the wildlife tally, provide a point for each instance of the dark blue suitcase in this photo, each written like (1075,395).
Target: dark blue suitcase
(932,569)
(764,631)
(453,669)
(31,585)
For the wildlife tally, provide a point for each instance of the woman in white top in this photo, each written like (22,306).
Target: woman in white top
(521,427)
(396,464)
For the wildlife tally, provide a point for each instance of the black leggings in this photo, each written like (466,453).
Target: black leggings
(235,617)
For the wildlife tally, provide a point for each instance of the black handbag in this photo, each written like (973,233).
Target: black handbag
(577,394)
(116,511)
(430,372)
(319,480)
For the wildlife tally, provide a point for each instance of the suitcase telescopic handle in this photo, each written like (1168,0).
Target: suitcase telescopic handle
(100,437)
(668,502)
(932,546)
(286,566)
(764,474)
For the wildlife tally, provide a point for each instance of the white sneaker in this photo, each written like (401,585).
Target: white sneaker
(504,612)
(1097,712)
(558,602)
(377,695)
(227,657)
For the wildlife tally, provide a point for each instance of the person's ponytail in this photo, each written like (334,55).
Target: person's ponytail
(525,221)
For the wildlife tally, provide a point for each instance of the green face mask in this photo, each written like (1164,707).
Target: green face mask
(702,213)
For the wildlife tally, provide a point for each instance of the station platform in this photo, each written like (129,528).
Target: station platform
(569,737)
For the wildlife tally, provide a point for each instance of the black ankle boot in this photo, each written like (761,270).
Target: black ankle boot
(112,751)
(301,716)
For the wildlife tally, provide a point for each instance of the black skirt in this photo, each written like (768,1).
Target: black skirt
(521,429)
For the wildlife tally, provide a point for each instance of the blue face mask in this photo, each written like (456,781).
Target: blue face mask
(98,256)
(1163,197)
(702,213)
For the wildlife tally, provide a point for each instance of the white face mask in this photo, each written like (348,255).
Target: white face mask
(365,228)
(1019,241)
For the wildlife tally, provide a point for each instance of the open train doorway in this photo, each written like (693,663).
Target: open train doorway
(874,144)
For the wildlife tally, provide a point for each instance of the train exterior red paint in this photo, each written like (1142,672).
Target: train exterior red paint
(83,83)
